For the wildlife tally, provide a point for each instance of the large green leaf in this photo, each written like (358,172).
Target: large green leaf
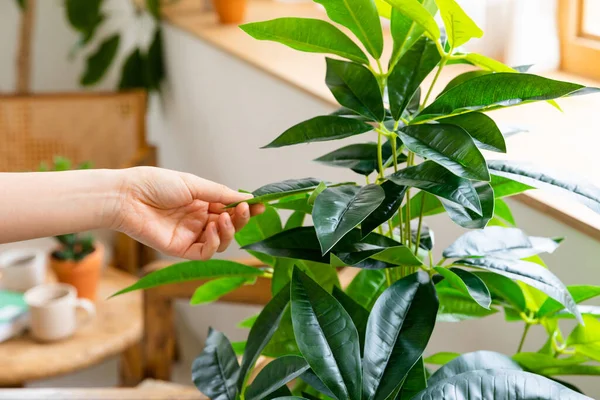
(498,384)
(358,313)
(366,287)
(356,88)
(280,190)
(305,34)
(405,31)
(283,342)
(385,251)
(468,283)
(488,63)
(216,369)
(448,145)
(398,331)
(455,306)
(467,218)
(415,381)
(460,28)
(259,228)
(472,362)
(441,358)
(295,203)
(542,178)
(84,16)
(361,17)
(496,90)
(217,288)
(154,67)
(320,129)
(540,363)
(193,270)
(394,195)
(262,331)
(298,243)
(97,64)
(461,78)
(339,210)
(579,292)
(326,337)
(503,212)
(504,289)
(275,375)
(437,180)
(483,130)
(409,73)
(360,158)
(505,187)
(295,220)
(498,241)
(586,338)
(131,72)
(530,273)
(420,14)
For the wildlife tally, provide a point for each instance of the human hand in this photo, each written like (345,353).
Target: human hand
(180,214)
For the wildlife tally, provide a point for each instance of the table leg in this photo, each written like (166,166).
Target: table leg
(159,343)
(131,367)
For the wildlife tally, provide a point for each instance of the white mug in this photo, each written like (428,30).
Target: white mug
(22,269)
(52,311)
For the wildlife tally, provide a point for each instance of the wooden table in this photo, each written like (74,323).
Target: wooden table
(117,329)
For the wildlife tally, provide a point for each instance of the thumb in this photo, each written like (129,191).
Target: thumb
(212,192)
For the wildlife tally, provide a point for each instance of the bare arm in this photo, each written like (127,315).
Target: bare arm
(176,213)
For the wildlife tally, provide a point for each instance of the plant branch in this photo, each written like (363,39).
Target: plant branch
(522,342)
(23,63)
(418,241)
(436,77)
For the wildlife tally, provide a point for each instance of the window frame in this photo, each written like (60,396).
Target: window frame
(580,52)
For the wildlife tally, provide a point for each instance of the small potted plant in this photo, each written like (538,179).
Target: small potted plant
(230,11)
(78,258)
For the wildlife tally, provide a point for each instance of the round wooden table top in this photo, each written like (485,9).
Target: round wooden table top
(118,325)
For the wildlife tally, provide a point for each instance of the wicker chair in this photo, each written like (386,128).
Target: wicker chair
(107,129)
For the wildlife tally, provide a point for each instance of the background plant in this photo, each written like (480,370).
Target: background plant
(426,159)
(73,246)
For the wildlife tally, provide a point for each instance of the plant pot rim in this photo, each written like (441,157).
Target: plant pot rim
(98,247)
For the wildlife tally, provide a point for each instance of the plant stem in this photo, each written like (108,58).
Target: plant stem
(380,154)
(388,277)
(522,342)
(418,242)
(437,75)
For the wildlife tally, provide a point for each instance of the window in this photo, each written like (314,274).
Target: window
(580,36)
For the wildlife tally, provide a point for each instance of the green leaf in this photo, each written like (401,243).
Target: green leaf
(318,190)
(84,16)
(376,247)
(275,375)
(530,273)
(295,220)
(98,63)
(460,28)
(259,228)
(456,307)
(360,158)
(131,73)
(505,187)
(449,146)
(320,129)
(153,7)
(282,273)
(283,342)
(310,35)
(409,73)
(497,241)
(461,78)
(503,383)
(504,289)
(468,283)
(313,380)
(474,361)
(216,370)
(398,331)
(298,243)
(394,194)
(248,322)
(366,287)
(580,293)
(339,210)
(294,203)
(421,15)
(539,363)
(437,180)
(326,337)
(358,314)
(481,128)
(488,63)
(415,381)
(154,65)
(441,358)
(467,218)
(239,347)
(541,178)
(283,391)
(280,190)
(361,17)
(217,288)
(586,338)
(356,88)
(23,4)
(193,270)
(262,331)
(502,211)
(489,91)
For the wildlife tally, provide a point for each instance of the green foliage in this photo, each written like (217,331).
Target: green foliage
(423,156)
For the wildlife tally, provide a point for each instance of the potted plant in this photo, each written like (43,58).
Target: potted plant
(78,260)
(230,11)
(369,340)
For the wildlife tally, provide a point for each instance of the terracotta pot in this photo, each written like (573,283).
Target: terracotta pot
(84,275)
(230,11)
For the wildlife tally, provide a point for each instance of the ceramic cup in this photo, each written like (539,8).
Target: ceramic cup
(22,269)
(52,311)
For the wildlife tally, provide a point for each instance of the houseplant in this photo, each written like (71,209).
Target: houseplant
(426,160)
(78,259)
(230,11)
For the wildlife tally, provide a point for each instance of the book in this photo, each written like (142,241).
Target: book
(14,316)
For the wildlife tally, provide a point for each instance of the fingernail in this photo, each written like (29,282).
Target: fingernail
(228,223)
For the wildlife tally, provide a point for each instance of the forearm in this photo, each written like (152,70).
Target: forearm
(51,203)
